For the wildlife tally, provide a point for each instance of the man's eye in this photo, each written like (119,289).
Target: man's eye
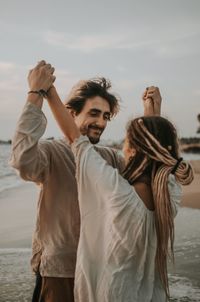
(93,113)
(107,117)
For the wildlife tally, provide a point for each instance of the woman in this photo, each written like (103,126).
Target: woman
(126,222)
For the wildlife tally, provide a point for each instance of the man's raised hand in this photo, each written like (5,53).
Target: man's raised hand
(41,77)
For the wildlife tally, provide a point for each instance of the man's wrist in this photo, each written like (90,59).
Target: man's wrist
(41,92)
(36,99)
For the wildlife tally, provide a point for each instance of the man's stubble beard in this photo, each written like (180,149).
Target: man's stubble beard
(94,140)
(86,131)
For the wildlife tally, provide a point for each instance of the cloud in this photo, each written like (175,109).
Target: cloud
(166,41)
(178,47)
(196,93)
(12,78)
(7,67)
(130,40)
(125,85)
(86,43)
(65,80)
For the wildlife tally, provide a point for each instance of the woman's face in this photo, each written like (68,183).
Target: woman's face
(129,152)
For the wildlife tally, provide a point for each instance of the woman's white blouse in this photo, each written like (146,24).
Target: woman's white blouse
(117,247)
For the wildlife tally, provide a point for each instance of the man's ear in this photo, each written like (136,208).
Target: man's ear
(72,112)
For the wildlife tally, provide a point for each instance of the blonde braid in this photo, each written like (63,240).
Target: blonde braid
(139,170)
(184,173)
(162,165)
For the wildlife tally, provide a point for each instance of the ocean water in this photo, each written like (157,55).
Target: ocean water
(8,176)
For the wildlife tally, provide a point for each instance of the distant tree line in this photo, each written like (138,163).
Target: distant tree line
(189,140)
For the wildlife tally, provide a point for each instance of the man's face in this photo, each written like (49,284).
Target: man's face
(93,118)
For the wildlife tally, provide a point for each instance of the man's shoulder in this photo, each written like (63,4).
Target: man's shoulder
(58,150)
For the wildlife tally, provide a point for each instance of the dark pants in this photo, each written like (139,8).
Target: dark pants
(52,289)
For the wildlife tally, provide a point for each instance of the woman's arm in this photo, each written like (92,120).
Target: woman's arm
(62,116)
(152,101)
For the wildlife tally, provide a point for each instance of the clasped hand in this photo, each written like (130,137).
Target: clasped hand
(152,101)
(41,77)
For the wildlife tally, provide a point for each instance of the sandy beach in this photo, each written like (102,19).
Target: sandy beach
(191,193)
(17,217)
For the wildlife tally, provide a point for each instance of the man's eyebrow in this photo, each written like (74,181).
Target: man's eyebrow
(95,110)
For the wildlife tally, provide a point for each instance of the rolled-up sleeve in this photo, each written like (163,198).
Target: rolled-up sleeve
(28,156)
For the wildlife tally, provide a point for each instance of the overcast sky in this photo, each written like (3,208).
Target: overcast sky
(133,43)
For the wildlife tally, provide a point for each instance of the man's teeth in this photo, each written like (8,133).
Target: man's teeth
(97,130)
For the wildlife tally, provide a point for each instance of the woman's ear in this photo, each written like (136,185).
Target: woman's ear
(133,152)
(130,155)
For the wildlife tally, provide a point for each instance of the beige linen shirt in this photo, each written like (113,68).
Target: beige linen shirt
(117,246)
(50,163)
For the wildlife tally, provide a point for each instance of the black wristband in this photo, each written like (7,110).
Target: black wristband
(41,92)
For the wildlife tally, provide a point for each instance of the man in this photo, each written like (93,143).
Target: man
(51,164)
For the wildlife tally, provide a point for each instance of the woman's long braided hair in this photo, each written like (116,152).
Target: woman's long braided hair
(156,144)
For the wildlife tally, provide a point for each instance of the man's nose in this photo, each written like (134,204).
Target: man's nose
(101,122)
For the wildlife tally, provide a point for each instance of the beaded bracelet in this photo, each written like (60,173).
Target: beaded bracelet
(41,92)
